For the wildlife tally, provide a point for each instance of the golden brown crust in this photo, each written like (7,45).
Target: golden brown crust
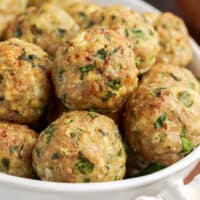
(16,145)
(24,84)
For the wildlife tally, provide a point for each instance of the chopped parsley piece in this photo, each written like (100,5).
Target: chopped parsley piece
(55,156)
(86,180)
(160,121)
(92,115)
(49,132)
(1,78)
(38,152)
(138,61)
(157,91)
(28,58)
(12,148)
(61,72)
(73,134)
(185,98)
(127,33)
(119,154)
(176,78)
(83,165)
(6,163)
(82,14)
(138,33)
(18,32)
(115,84)
(102,54)
(152,168)
(87,68)
(108,96)
(102,132)
(61,32)
(187,145)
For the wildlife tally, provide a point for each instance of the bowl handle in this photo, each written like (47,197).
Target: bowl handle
(176,190)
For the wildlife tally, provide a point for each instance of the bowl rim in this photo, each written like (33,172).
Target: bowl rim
(44,186)
(52,187)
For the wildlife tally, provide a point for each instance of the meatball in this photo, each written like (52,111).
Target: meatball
(170,75)
(48,26)
(175,47)
(61,153)
(16,146)
(13,6)
(162,120)
(96,69)
(131,25)
(24,84)
(81,11)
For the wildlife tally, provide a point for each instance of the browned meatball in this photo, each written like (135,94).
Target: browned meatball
(162,118)
(80,146)
(24,84)
(16,145)
(96,69)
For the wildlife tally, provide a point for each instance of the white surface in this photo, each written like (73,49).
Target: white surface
(23,189)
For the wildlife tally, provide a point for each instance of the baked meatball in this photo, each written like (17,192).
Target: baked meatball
(80,146)
(96,69)
(169,75)
(24,85)
(80,11)
(162,121)
(48,27)
(13,6)
(16,146)
(131,25)
(175,47)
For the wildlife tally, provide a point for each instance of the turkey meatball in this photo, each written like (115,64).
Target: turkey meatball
(16,146)
(24,84)
(48,26)
(96,69)
(132,26)
(78,147)
(175,47)
(162,120)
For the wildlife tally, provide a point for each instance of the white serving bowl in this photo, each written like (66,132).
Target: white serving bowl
(168,182)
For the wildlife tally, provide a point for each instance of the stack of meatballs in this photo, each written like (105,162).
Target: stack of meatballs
(106,87)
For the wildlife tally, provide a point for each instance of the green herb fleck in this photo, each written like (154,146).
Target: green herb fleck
(83,165)
(127,33)
(115,84)
(92,115)
(185,98)
(28,58)
(61,72)
(35,30)
(6,163)
(102,54)
(138,61)
(18,32)
(176,78)
(86,68)
(61,32)
(108,96)
(13,148)
(187,145)
(55,156)
(160,121)
(73,134)
(49,132)
(157,91)
(119,154)
(38,152)
(152,168)
(83,15)
(86,180)
(138,33)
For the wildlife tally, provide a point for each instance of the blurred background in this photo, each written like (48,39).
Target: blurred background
(189,10)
